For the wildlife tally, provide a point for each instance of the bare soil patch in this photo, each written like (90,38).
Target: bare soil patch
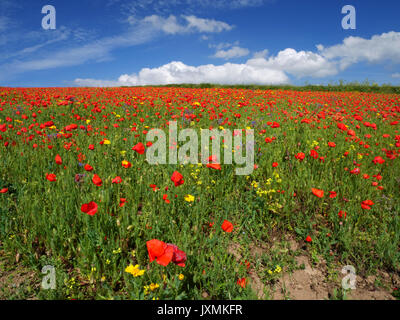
(314,281)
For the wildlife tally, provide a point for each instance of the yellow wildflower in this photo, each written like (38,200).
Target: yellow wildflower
(189,198)
(134,270)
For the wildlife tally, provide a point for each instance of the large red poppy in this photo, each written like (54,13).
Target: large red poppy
(227,226)
(51,177)
(88,167)
(164,253)
(117,179)
(215,166)
(58,159)
(177,178)
(97,180)
(159,250)
(89,208)
(139,148)
(317,192)
(300,156)
(366,204)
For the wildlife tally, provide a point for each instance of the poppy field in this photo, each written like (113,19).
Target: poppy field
(77,193)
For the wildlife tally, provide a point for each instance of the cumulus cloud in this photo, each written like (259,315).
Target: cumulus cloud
(298,63)
(396,75)
(377,49)
(234,52)
(178,72)
(257,70)
(260,54)
(264,69)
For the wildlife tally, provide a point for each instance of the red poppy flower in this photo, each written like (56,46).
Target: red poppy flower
(126,164)
(58,159)
(379,160)
(351,133)
(51,177)
(241,282)
(308,239)
(332,194)
(88,167)
(91,146)
(366,204)
(139,148)
(165,198)
(177,179)
(154,187)
(89,208)
(317,192)
(314,154)
(274,164)
(215,166)
(179,257)
(300,156)
(213,159)
(342,214)
(117,179)
(97,180)
(4,190)
(227,226)
(159,251)
(331,144)
(122,202)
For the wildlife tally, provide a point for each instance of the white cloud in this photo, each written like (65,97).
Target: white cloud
(206,25)
(234,52)
(178,72)
(223,45)
(396,75)
(298,63)
(168,25)
(257,70)
(260,54)
(140,31)
(380,48)
(171,25)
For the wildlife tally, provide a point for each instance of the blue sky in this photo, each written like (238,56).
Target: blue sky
(124,42)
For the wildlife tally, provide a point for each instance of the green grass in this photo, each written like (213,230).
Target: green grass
(43,222)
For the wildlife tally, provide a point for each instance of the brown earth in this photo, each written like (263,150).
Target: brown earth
(314,281)
(16,281)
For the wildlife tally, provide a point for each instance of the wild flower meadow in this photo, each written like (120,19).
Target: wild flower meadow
(77,193)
